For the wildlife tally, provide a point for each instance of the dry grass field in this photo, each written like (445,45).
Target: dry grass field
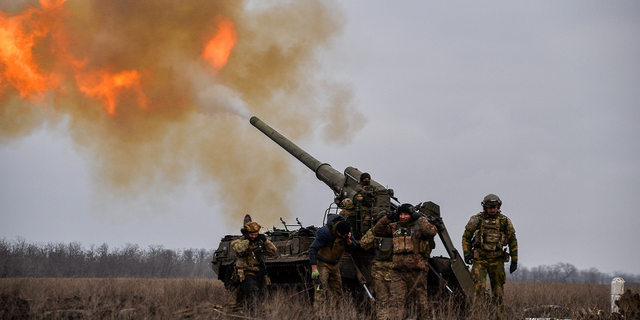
(124,298)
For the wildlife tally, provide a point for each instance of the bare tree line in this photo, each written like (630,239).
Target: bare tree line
(20,258)
(566,272)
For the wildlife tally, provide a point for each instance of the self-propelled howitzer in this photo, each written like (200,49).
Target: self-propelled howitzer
(451,270)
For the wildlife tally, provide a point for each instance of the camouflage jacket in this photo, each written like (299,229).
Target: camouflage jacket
(368,194)
(410,241)
(249,255)
(488,235)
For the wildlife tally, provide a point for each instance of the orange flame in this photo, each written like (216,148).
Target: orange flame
(16,44)
(106,87)
(219,48)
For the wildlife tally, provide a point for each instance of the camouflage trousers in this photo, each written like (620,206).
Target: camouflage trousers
(494,268)
(330,286)
(381,274)
(405,285)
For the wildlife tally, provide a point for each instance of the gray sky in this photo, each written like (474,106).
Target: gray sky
(537,102)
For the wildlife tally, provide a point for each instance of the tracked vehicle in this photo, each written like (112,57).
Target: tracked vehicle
(290,266)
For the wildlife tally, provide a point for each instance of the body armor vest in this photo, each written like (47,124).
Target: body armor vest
(488,236)
(404,241)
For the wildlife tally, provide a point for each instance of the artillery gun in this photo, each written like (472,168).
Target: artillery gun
(290,266)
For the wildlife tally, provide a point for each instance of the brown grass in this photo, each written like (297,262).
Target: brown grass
(38,298)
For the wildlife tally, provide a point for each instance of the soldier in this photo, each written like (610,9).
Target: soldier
(483,240)
(380,268)
(363,200)
(250,268)
(411,233)
(349,213)
(331,242)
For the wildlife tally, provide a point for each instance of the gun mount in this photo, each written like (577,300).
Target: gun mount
(291,265)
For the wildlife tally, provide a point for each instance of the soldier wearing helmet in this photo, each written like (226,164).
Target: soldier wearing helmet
(250,268)
(410,233)
(483,242)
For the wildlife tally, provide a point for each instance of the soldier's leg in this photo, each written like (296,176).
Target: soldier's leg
(497,278)
(250,291)
(321,292)
(335,284)
(420,292)
(397,295)
(479,276)
(381,273)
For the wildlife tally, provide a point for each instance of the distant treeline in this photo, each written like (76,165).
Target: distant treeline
(20,258)
(566,272)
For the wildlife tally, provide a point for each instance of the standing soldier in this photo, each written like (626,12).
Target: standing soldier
(380,268)
(364,199)
(484,238)
(250,267)
(331,242)
(411,233)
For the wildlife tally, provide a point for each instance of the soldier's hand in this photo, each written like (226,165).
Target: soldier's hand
(262,237)
(315,274)
(513,267)
(392,216)
(468,259)
(416,215)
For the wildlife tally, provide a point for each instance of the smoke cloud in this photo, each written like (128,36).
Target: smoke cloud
(150,110)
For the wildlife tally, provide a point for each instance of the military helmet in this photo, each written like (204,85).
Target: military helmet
(252,227)
(365,175)
(346,203)
(491,201)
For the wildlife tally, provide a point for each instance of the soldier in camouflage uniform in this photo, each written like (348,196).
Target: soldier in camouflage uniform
(380,269)
(484,238)
(250,268)
(411,233)
(363,200)
(331,242)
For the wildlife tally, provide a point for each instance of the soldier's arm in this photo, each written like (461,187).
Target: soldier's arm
(240,246)
(427,230)
(382,229)
(321,238)
(270,248)
(467,236)
(367,241)
(512,241)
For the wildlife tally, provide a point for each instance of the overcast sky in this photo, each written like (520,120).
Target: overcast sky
(537,102)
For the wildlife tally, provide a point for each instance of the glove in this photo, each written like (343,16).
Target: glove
(468,259)
(416,215)
(262,237)
(315,274)
(392,216)
(513,267)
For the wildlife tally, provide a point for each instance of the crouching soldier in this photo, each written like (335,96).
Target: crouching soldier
(250,267)
(411,233)
(331,242)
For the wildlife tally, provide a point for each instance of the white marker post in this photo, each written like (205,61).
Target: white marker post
(617,289)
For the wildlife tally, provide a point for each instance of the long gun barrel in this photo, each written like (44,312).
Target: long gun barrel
(324,172)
